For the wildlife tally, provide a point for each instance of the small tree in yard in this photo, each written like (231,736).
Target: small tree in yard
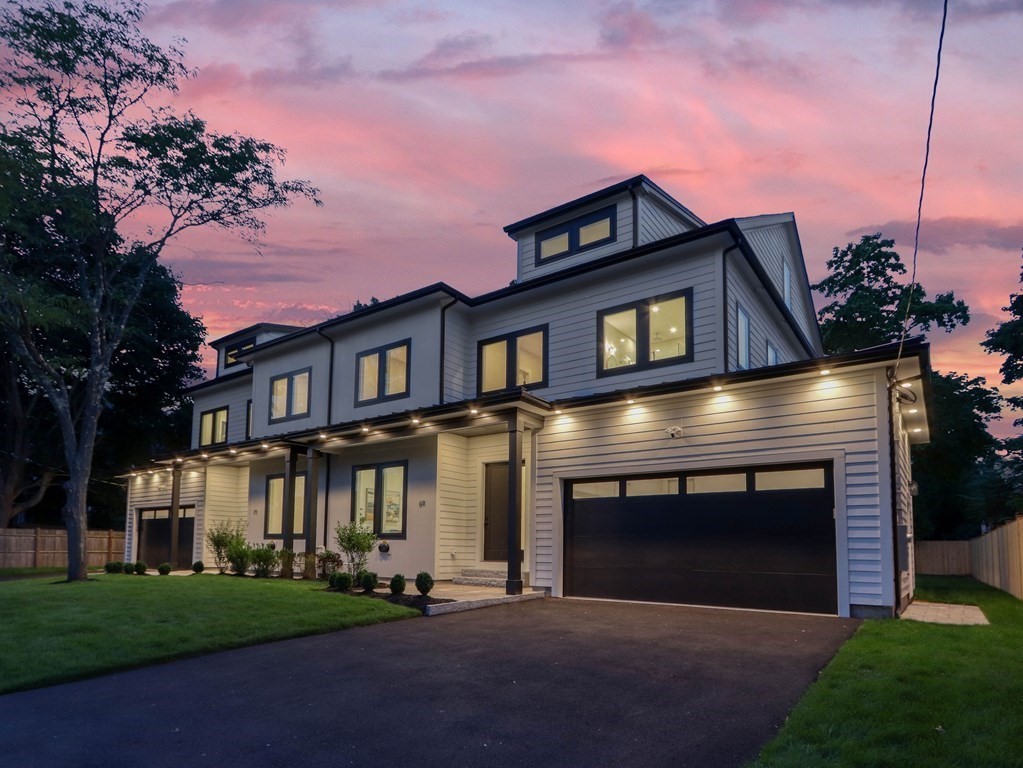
(356,541)
(220,536)
(96,181)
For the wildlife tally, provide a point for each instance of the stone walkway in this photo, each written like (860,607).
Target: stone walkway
(944,613)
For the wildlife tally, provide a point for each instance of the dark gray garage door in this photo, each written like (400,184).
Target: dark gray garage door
(155,536)
(757,537)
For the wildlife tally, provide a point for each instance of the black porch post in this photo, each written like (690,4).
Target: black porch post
(312,484)
(288,513)
(513,586)
(175,506)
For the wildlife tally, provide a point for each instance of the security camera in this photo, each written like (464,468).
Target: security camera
(673,432)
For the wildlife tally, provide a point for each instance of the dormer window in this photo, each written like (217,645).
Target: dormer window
(231,352)
(577,235)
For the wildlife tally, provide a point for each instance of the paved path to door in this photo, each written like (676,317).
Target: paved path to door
(541,683)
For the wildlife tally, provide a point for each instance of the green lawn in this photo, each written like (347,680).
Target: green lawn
(53,632)
(903,693)
(46,570)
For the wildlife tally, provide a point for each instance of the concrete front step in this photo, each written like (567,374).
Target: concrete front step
(485,577)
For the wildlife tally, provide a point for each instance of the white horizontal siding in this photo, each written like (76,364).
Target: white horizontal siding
(227,490)
(527,240)
(147,491)
(779,421)
(570,310)
(456,507)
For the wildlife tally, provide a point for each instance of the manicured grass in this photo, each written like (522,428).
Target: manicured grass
(904,693)
(54,631)
(25,573)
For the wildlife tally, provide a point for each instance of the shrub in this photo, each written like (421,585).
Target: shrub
(114,566)
(397,584)
(356,541)
(424,583)
(286,561)
(264,559)
(128,567)
(198,567)
(164,569)
(141,567)
(220,536)
(239,555)
(327,562)
(342,581)
(368,581)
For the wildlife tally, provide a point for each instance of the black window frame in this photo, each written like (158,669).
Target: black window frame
(642,307)
(378,469)
(266,506)
(227,425)
(381,353)
(571,228)
(511,359)
(248,419)
(740,311)
(289,414)
(236,348)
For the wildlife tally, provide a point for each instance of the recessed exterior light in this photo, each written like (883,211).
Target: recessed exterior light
(415,420)
(914,410)
(205,455)
(558,411)
(323,435)
(266,446)
(826,372)
(474,411)
(232,451)
(906,384)
(918,429)
(365,429)
(630,401)
(179,459)
(718,388)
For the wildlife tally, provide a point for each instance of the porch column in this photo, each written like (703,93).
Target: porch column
(513,586)
(175,505)
(288,513)
(312,485)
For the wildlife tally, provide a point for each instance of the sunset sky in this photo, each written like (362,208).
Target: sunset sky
(428,126)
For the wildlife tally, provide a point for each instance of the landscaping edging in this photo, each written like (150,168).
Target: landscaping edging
(470,605)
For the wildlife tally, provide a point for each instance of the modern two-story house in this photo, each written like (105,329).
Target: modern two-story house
(645,413)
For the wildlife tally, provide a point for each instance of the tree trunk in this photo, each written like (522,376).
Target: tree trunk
(76,520)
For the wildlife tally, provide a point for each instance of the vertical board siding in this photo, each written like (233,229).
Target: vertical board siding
(146,491)
(227,496)
(776,422)
(527,241)
(997,557)
(772,248)
(570,311)
(656,223)
(235,395)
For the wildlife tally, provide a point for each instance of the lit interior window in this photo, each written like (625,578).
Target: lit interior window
(591,233)
(724,483)
(396,372)
(529,359)
(620,339)
(666,325)
(654,486)
(554,246)
(495,366)
(596,490)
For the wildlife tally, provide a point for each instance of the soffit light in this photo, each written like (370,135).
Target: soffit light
(918,429)
(204,455)
(474,411)
(323,435)
(907,384)
(265,446)
(826,372)
(914,410)
(232,451)
(718,388)
(415,420)
(365,429)
(630,401)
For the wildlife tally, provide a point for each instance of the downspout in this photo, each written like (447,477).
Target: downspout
(724,305)
(897,595)
(635,216)
(443,333)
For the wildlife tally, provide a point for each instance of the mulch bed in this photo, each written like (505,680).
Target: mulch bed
(419,602)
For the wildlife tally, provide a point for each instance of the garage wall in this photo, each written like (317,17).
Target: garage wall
(904,504)
(147,490)
(227,491)
(839,416)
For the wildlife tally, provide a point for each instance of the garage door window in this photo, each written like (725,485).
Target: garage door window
(654,486)
(790,479)
(726,483)
(601,490)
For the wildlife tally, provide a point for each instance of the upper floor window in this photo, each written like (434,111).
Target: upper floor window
(382,373)
(274,523)
(772,354)
(248,419)
(647,333)
(786,284)
(741,338)
(289,395)
(579,234)
(231,353)
(513,360)
(378,498)
(213,427)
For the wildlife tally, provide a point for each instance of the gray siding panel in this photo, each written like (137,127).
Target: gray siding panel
(235,395)
(781,421)
(766,323)
(656,223)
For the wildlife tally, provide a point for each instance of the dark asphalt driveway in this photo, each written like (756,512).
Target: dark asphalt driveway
(540,683)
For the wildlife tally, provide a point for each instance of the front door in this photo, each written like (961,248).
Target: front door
(495,511)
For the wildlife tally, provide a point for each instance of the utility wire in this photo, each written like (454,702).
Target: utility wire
(923,185)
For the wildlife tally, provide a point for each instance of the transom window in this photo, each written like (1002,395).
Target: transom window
(213,427)
(275,505)
(513,360)
(647,333)
(382,373)
(579,234)
(289,395)
(379,498)
(231,353)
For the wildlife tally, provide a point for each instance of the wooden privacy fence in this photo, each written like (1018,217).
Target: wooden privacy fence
(944,558)
(998,558)
(42,547)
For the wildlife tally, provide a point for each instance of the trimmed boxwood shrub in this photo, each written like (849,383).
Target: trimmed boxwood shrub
(424,582)
(164,569)
(141,567)
(397,584)
(128,567)
(368,581)
(264,560)
(239,555)
(114,566)
(342,581)
(198,567)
